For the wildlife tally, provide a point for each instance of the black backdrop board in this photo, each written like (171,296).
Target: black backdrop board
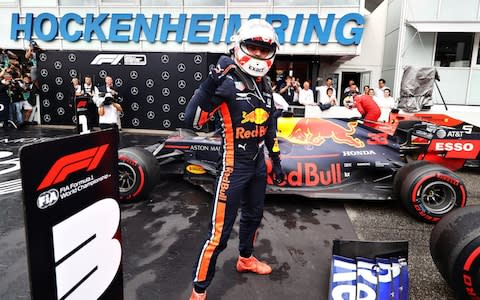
(72,218)
(155,86)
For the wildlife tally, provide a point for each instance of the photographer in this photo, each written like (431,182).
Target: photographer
(12,90)
(108,88)
(4,100)
(32,56)
(108,110)
(289,89)
(27,93)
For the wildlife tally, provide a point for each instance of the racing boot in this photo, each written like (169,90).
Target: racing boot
(198,296)
(252,264)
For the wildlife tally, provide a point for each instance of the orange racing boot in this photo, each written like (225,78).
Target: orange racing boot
(252,264)
(198,296)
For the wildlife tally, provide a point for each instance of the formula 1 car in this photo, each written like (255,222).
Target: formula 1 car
(412,158)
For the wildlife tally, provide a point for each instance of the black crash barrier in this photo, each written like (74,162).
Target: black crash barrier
(72,218)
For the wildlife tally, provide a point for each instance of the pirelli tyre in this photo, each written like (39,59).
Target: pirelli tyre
(137,171)
(401,175)
(455,250)
(429,191)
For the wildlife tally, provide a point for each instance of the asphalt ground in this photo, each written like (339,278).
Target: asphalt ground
(161,238)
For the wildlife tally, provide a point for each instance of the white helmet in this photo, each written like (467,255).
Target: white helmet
(259,34)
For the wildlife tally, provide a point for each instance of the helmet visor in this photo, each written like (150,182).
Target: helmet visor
(259,49)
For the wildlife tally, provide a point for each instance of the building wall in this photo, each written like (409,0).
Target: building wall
(404,45)
(372,47)
(290,9)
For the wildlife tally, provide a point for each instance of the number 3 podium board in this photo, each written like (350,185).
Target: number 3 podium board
(72,218)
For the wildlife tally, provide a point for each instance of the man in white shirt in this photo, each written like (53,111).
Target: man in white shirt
(322,96)
(305,96)
(381,88)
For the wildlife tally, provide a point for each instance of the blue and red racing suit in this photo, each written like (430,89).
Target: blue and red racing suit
(245,106)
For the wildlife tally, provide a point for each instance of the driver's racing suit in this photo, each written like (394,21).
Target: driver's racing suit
(245,106)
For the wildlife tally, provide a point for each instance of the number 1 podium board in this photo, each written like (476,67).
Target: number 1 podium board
(72,218)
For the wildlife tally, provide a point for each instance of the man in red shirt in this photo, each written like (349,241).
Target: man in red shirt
(367,107)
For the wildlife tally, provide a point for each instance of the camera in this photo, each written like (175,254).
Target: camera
(108,98)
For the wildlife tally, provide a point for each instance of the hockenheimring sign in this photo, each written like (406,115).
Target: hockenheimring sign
(126,27)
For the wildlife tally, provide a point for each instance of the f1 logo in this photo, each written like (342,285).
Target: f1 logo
(113,59)
(69,164)
(87,255)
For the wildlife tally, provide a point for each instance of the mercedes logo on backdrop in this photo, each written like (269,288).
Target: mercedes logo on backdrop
(60,96)
(135,122)
(165,92)
(72,57)
(166,107)
(149,83)
(133,75)
(182,100)
(197,59)
(150,115)
(57,65)
(73,73)
(43,57)
(181,116)
(47,118)
(166,123)
(121,114)
(45,88)
(74,119)
(46,103)
(134,90)
(165,59)
(135,106)
(102,73)
(44,72)
(59,80)
(165,75)
(150,99)
(60,111)
(197,76)
(118,82)
(181,84)
(181,67)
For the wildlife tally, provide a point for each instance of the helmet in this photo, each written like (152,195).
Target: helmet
(256,44)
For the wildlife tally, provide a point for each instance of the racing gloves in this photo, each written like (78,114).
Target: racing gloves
(277,171)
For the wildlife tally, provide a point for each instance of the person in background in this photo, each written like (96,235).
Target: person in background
(322,96)
(89,91)
(108,111)
(27,92)
(32,56)
(386,103)
(346,91)
(305,95)
(366,106)
(366,88)
(381,88)
(287,90)
(109,88)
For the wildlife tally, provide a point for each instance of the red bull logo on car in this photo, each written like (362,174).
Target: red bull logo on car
(315,132)
(309,174)
(257,116)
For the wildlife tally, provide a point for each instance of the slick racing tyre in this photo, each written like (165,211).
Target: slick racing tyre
(430,191)
(137,171)
(401,175)
(455,249)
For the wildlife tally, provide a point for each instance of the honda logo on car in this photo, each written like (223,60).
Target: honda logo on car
(450,146)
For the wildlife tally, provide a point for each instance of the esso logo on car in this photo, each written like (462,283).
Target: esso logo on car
(448,146)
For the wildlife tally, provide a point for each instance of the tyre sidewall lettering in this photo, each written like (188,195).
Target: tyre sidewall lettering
(141,174)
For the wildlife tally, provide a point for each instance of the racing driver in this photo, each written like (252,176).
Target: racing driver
(240,94)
